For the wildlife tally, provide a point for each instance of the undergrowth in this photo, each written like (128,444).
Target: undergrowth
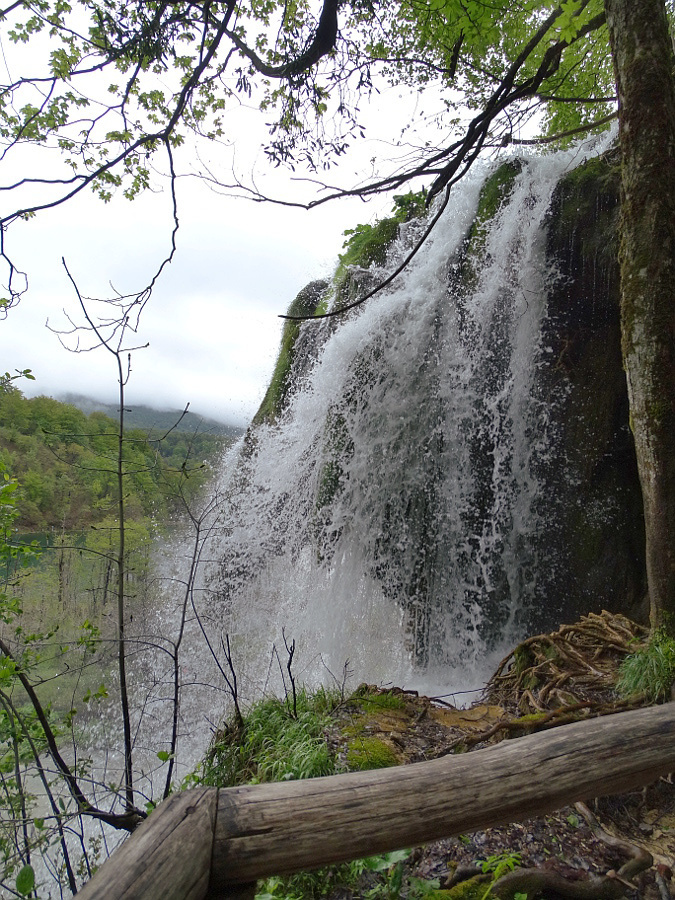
(279,740)
(651,670)
(380,877)
(273,743)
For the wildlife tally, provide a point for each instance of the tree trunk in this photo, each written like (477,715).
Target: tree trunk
(643,65)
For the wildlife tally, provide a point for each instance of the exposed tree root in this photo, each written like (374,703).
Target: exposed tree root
(546,719)
(549,680)
(538,882)
(575,664)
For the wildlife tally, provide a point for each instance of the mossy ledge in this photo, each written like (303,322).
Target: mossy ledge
(305,304)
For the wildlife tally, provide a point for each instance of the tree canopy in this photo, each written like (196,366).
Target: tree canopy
(117,90)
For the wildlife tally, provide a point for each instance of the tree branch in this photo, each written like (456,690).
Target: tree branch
(323,42)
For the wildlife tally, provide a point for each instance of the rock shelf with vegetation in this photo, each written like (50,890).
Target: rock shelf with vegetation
(605,848)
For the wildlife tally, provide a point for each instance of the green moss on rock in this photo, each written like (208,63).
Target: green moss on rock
(586,209)
(494,193)
(472,889)
(370,753)
(305,304)
(367,245)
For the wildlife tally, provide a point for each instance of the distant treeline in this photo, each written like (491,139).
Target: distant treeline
(155,421)
(66,463)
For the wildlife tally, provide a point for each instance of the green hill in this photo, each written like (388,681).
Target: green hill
(155,420)
(66,461)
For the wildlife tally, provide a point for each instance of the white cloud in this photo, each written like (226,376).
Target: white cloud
(212,323)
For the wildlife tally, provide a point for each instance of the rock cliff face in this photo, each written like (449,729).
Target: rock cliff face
(582,547)
(603,529)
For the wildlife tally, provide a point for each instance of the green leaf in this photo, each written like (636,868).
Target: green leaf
(396,880)
(163,755)
(386,860)
(25,881)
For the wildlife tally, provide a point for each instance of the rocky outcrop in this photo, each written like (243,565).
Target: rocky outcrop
(463,559)
(602,527)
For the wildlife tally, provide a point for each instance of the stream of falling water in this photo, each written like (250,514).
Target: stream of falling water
(390,521)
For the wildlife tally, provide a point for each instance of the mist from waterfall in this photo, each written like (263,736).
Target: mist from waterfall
(394,519)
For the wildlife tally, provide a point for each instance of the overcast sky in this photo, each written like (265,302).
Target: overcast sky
(212,324)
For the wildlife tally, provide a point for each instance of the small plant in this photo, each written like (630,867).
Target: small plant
(273,744)
(305,885)
(390,868)
(651,670)
(497,866)
(354,879)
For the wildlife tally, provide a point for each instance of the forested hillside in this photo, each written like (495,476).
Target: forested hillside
(66,464)
(155,420)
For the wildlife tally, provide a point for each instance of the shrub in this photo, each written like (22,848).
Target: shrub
(651,670)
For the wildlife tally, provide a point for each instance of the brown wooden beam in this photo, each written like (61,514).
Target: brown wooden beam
(168,857)
(272,829)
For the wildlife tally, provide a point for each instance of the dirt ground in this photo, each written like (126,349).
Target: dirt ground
(579,851)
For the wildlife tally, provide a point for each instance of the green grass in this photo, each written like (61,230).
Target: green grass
(273,744)
(649,671)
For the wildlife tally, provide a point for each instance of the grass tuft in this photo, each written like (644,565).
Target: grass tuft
(650,671)
(274,745)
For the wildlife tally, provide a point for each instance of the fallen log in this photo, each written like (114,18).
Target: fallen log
(205,842)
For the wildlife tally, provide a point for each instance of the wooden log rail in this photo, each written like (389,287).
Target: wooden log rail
(210,843)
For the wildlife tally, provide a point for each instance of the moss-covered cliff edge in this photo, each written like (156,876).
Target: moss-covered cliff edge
(589,491)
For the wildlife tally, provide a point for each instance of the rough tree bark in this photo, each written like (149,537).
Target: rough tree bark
(643,66)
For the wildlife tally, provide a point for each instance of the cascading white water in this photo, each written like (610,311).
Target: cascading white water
(397,517)
(392,516)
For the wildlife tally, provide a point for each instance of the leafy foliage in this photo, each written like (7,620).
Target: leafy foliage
(124,83)
(55,608)
(367,245)
(499,865)
(651,670)
(65,461)
(471,47)
(20,733)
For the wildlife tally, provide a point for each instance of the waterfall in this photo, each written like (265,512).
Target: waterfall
(449,470)
(395,518)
